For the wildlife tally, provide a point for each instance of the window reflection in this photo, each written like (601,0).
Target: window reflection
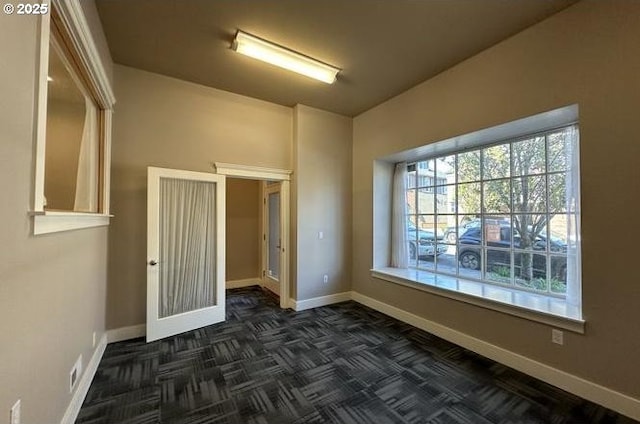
(72,139)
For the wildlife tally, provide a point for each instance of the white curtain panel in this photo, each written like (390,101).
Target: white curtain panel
(86,199)
(574,288)
(399,253)
(187,246)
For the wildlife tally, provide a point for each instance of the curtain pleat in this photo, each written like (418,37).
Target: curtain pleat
(574,288)
(399,254)
(86,199)
(187,246)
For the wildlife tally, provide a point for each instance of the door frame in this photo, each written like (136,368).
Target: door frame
(265,191)
(284,177)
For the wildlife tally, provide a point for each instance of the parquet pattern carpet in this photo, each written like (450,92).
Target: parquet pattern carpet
(343,363)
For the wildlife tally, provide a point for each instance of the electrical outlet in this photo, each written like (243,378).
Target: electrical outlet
(15,413)
(320,235)
(557,336)
(94,339)
(325,278)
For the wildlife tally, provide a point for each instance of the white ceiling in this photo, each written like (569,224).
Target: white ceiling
(383,47)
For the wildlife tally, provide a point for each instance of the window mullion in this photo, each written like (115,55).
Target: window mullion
(547,214)
(512,213)
(483,250)
(534,174)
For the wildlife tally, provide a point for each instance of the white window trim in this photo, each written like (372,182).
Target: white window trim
(483,248)
(55,221)
(45,221)
(561,314)
(533,307)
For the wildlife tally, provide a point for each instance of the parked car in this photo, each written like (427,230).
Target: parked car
(470,252)
(423,243)
(450,234)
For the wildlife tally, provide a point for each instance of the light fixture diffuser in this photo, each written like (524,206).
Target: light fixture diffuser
(260,49)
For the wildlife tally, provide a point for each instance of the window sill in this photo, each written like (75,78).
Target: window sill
(530,306)
(46,222)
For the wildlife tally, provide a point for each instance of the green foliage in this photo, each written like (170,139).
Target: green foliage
(535,283)
(558,286)
(492,276)
(516,186)
(540,284)
(502,271)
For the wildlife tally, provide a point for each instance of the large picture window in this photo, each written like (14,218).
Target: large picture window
(505,213)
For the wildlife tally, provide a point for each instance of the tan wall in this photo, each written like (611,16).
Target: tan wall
(166,122)
(52,287)
(64,136)
(322,202)
(243,229)
(587,54)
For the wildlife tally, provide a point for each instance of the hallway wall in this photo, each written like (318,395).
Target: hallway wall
(243,229)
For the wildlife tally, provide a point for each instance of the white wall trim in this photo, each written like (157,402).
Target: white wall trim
(518,306)
(73,17)
(126,333)
(253,172)
(236,284)
(53,222)
(594,392)
(315,302)
(82,388)
(269,174)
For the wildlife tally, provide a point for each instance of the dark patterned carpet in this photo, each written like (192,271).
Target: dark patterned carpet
(343,363)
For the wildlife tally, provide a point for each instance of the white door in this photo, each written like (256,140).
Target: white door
(185,251)
(273,236)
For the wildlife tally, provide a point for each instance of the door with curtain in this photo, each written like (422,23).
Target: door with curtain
(185,251)
(273,238)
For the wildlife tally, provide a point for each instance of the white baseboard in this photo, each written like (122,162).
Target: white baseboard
(126,333)
(301,305)
(594,392)
(601,395)
(236,284)
(71,414)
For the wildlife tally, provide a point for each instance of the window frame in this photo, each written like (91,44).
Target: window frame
(560,313)
(68,18)
(484,248)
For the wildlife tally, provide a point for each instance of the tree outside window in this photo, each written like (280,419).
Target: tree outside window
(506,211)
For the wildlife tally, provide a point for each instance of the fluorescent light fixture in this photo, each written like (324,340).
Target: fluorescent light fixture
(260,49)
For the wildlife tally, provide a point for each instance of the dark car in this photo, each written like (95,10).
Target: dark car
(470,252)
(450,234)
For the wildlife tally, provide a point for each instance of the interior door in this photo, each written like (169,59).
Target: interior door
(273,236)
(185,251)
